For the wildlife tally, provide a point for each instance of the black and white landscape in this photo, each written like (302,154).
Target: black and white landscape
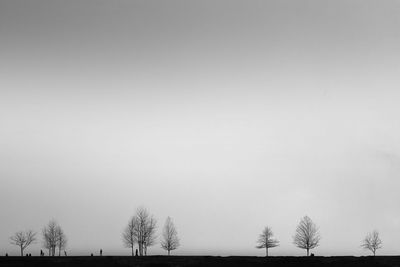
(199,128)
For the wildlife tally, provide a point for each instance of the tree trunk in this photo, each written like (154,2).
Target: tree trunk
(22,251)
(308,250)
(132,250)
(169,252)
(266,249)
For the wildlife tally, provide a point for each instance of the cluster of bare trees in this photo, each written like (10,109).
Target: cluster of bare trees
(53,238)
(141,231)
(307,237)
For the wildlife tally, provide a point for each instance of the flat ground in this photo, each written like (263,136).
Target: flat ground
(194,261)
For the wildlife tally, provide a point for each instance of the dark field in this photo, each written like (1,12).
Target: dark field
(183,261)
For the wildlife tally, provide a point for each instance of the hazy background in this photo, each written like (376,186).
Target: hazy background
(225,115)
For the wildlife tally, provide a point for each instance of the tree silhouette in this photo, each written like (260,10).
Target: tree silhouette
(141,229)
(372,242)
(266,240)
(129,236)
(23,239)
(170,236)
(307,236)
(53,237)
(149,234)
(61,241)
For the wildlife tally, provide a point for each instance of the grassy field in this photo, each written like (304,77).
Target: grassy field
(192,261)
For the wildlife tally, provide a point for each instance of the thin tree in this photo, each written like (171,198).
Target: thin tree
(23,239)
(50,236)
(266,240)
(170,236)
(129,236)
(307,236)
(150,234)
(372,242)
(61,241)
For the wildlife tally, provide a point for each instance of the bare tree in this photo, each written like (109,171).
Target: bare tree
(372,242)
(23,239)
(129,236)
(150,234)
(141,229)
(170,236)
(53,237)
(61,241)
(50,237)
(266,240)
(307,235)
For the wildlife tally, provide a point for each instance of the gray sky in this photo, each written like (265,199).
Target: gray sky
(225,115)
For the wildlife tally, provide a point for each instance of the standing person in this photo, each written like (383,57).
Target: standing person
(101,252)
(65,253)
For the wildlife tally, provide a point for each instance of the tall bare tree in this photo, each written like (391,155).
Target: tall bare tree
(49,233)
(23,239)
(61,241)
(307,236)
(129,236)
(372,242)
(170,236)
(141,229)
(266,240)
(150,234)
(51,237)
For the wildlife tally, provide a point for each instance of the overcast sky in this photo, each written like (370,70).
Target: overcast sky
(225,115)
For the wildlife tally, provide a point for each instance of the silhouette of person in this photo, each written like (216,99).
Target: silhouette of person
(65,253)
(136,252)
(41,252)
(91,254)
(30,255)
(6,254)
(101,252)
